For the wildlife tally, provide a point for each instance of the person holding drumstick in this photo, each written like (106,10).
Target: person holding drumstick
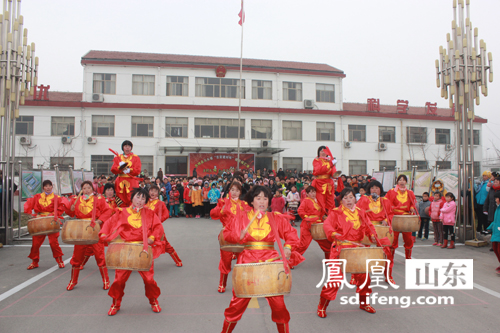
(127,167)
(87,206)
(323,169)
(130,224)
(403,203)
(44,205)
(345,227)
(379,211)
(258,229)
(225,211)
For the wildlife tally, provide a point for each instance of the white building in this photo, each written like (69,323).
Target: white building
(173,105)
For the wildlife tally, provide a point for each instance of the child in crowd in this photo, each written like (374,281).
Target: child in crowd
(494,227)
(434,212)
(174,201)
(423,211)
(448,217)
(293,199)
(213,196)
(278,202)
(196,198)
(188,204)
(361,192)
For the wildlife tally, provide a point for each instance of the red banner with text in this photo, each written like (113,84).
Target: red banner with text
(213,164)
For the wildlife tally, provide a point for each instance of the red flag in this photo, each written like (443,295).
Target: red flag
(241,15)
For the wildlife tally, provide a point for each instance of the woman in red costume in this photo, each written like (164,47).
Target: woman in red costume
(259,241)
(311,213)
(225,211)
(323,170)
(160,209)
(45,204)
(88,206)
(127,166)
(129,224)
(379,212)
(345,227)
(403,203)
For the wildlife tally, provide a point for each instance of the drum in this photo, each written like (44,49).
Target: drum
(356,258)
(317,231)
(225,246)
(128,256)
(405,223)
(79,232)
(263,279)
(43,226)
(382,231)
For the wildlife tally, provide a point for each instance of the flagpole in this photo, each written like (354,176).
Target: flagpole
(241,74)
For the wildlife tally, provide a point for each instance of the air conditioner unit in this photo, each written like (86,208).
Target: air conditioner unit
(66,140)
(448,147)
(91,141)
(347,144)
(265,143)
(382,146)
(98,98)
(25,140)
(308,103)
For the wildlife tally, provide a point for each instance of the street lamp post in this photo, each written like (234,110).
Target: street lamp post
(18,77)
(462,72)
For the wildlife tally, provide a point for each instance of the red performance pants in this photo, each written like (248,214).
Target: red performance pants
(117,289)
(330,293)
(38,241)
(324,193)
(81,251)
(306,238)
(226,258)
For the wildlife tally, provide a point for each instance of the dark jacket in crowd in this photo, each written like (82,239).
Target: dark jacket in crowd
(489,204)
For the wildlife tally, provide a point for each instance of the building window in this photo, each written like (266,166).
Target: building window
(325,131)
(262,129)
(105,84)
(176,165)
(147,163)
(388,165)
(421,165)
(357,133)
(477,168)
(24,125)
(442,136)
(357,167)
(103,125)
(292,130)
(443,165)
(476,137)
(142,126)
(62,162)
(292,163)
(416,135)
(386,134)
(177,85)
(218,128)
(101,164)
(63,126)
(216,87)
(325,93)
(292,91)
(262,89)
(143,85)
(26,163)
(176,127)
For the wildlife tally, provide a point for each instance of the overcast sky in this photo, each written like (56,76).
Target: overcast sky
(387,48)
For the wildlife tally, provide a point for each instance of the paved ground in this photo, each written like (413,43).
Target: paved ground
(191,303)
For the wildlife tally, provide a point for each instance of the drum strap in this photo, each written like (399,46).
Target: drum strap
(55,207)
(278,240)
(92,223)
(144,231)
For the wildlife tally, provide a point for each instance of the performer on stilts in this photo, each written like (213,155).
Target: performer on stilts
(403,203)
(88,206)
(127,166)
(259,239)
(323,170)
(46,203)
(136,223)
(345,227)
(160,209)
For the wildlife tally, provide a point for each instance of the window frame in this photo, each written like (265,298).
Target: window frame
(287,161)
(95,127)
(70,126)
(357,128)
(142,83)
(108,159)
(256,89)
(390,168)
(135,129)
(253,132)
(220,127)
(182,126)
(104,83)
(172,86)
(219,87)
(21,120)
(410,129)
(322,93)
(297,90)
(353,166)
(436,135)
(291,128)
(383,130)
(419,163)
(319,132)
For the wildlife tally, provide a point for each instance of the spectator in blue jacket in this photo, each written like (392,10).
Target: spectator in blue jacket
(481,193)
(494,227)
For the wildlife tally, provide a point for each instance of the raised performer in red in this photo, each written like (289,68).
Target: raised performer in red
(259,237)
(161,211)
(88,206)
(345,227)
(323,170)
(136,223)
(46,203)
(127,166)
(403,203)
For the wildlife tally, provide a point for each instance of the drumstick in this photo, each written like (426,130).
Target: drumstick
(249,224)
(78,197)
